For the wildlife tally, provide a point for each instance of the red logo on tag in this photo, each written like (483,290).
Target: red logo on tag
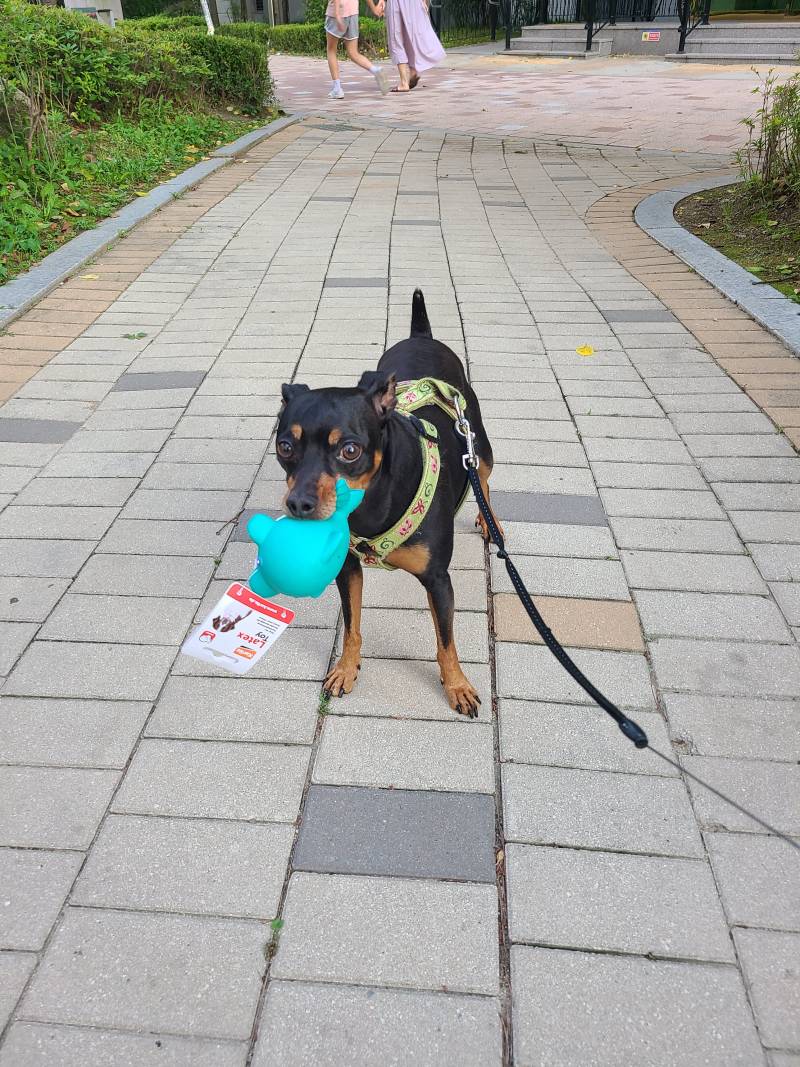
(245,653)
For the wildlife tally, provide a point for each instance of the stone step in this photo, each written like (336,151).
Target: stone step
(731,57)
(776,31)
(752,46)
(540,53)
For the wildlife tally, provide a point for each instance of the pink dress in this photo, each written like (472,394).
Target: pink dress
(410,35)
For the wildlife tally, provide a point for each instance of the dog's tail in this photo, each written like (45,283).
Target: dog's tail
(420,326)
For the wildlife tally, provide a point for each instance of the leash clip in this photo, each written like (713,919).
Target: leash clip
(469,459)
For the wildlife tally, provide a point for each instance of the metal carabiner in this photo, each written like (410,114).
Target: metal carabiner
(469,459)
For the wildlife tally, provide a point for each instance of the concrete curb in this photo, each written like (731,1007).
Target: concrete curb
(19,295)
(774,311)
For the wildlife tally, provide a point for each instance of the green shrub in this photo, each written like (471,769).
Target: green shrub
(315,10)
(140,9)
(305,38)
(770,161)
(159,23)
(239,73)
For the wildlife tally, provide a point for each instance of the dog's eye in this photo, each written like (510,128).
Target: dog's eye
(285,449)
(351,452)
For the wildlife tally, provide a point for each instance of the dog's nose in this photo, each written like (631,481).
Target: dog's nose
(300,505)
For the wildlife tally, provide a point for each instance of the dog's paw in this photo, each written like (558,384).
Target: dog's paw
(483,526)
(463,697)
(341,679)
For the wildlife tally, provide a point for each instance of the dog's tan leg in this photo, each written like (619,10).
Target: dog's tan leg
(484,470)
(350,582)
(461,694)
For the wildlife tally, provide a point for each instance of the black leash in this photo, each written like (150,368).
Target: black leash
(632,730)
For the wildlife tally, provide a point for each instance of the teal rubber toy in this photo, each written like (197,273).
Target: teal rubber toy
(301,557)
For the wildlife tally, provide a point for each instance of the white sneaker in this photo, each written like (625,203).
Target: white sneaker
(381,79)
(337,94)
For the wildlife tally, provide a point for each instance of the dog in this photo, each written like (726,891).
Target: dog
(359,435)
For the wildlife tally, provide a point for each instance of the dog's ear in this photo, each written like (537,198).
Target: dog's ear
(289,392)
(380,390)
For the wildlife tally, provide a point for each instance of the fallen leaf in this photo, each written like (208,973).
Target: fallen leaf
(772,222)
(89,277)
(585,350)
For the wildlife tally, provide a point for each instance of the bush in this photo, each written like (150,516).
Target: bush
(141,9)
(239,73)
(159,23)
(305,38)
(770,161)
(315,10)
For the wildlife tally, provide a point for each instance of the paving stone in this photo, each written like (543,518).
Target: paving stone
(788,596)
(688,535)
(751,470)
(33,888)
(138,620)
(185,865)
(622,427)
(40,1045)
(626,451)
(771,969)
(727,668)
(692,572)
(578,903)
(777,563)
(205,476)
(307,1023)
(552,480)
(14,639)
(91,671)
(531,672)
(771,790)
(454,756)
(710,615)
(214,779)
(410,933)
(576,623)
(391,633)
(598,810)
(398,832)
(545,539)
(738,444)
(236,709)
(402,590)
(15,969)
(69,491)
(178,973)
(749,726)
(190,504)
(409,689)
(574,735)
(559,508)
(113,465)
(648,476)
(69,733)
(43,558)
(165,537)
(141,576)
(738,423)
(574,1007)
(564,577)
(757,879)
(37,431)
(661,503)
(64,523)
(44,807)
(779,527)
(104,441)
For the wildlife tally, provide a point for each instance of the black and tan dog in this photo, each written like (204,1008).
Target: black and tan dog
(356,434)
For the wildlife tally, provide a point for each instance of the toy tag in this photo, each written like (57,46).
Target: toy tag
(238,631)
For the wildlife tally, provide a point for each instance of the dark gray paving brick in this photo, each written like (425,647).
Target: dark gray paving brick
(587,1008)
(356,283)
(398,832)
(578,903)
(33,886)
(556,508)
(93,671)
(236,709)
(42,807)
(41,1045)
(99,971)
(69,733)
(37,431)
(215,779)
(206,867)
(306,1022)
(770,964)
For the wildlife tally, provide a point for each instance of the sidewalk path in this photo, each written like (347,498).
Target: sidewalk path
(525,888)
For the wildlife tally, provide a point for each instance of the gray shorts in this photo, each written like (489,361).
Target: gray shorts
(350,32)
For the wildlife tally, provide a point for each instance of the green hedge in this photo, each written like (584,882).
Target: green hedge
(305,38)
(62,60)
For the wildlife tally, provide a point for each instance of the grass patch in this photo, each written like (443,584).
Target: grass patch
(87,173)
(764,238)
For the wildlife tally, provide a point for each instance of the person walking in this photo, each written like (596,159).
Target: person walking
(341,23)
(413,44)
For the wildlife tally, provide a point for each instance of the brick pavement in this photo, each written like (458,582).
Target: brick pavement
(526,888)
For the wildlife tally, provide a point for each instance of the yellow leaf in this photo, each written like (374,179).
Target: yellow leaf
(140,193)
(585,350)
(90,277)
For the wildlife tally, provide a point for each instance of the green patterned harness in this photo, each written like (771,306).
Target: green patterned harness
(410,397)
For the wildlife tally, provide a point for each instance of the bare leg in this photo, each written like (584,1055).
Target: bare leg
(350,582)
(405,77)
(353,54)
(332,45)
